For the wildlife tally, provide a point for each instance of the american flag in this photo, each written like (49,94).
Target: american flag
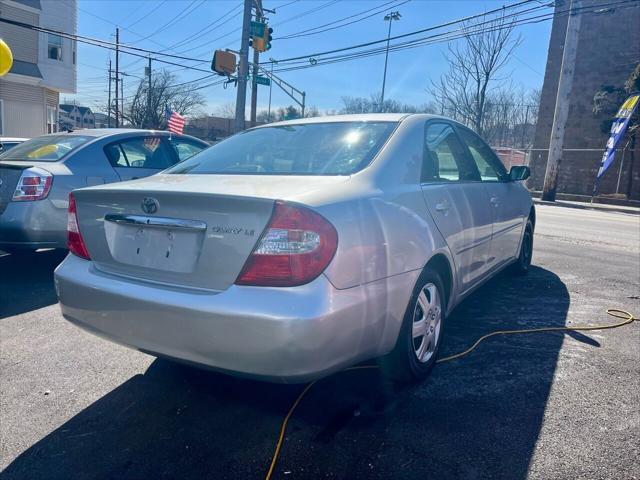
(175,121)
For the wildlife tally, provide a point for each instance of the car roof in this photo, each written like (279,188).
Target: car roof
(105,132)
(357,117)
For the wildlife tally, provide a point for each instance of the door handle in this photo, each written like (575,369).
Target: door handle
(442,206)
(494,201)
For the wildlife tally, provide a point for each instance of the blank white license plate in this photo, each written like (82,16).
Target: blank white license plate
(152,247)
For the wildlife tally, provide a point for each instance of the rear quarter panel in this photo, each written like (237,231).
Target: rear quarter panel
(384,227)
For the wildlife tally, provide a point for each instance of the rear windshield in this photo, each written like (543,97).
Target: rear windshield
(48,148)
(335,148)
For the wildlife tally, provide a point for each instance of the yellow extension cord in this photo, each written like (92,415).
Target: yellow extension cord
(626,317)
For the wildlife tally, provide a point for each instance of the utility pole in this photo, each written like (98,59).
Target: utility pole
(243,71)
(149,120)
(109,101)
(387,18)
(256,61)
(117,73)
(565,82)
(121,100)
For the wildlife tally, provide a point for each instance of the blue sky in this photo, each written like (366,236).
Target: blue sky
(409,70)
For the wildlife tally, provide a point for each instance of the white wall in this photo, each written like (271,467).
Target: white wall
(58,15)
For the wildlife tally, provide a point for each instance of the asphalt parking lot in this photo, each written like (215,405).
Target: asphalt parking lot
(537,406)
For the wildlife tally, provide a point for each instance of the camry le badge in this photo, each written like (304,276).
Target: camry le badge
(150,205)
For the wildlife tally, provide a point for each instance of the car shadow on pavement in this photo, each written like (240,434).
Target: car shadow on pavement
(26,281)
(477,417)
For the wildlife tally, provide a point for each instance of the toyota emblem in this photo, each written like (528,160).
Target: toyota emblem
(150,205)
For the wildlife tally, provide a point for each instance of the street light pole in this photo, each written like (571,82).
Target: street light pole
(270,88)
(390,17)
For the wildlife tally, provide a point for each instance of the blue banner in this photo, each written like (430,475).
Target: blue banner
(618,129)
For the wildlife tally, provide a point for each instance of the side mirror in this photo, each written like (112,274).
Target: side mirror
(519,173)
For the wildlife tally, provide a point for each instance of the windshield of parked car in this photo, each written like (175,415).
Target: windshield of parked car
(48,148)
(332,148)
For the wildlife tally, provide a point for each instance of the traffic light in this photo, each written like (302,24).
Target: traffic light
(267,38)
(258,44)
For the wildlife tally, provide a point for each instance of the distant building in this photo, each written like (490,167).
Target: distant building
(102,120)
(211,128)
(75,117)
(608,50)
(44,65)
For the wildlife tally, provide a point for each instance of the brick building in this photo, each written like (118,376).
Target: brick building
(608,50)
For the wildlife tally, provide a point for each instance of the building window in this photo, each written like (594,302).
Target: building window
(52,120)
(55,47)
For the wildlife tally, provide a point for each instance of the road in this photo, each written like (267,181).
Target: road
(535,406)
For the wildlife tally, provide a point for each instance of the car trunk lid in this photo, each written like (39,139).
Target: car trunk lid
(183,230)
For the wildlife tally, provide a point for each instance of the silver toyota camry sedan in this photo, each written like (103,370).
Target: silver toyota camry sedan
(37,175)
(295,249)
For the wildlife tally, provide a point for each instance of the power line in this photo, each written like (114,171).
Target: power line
(106,44)
(433,39)
(180,16)
(404,35)
(322,28)
(146,14)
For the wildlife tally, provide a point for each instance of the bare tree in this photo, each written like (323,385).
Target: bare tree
(372,105)
(146,108)
(228,110)
(474,64)
(286,113)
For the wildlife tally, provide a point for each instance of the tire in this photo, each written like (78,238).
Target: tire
(522,264)
(416,350)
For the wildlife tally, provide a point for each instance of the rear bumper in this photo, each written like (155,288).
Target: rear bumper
(277,334)
(33,225)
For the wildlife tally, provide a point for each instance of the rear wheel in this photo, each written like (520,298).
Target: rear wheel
(421,333)
(521,267)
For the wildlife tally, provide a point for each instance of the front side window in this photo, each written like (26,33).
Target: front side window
(445,159)
(185,149)
(331,148)
(140,152)
(48,148)
(54,47)
(489,165)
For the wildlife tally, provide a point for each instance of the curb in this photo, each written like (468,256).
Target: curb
(587,206)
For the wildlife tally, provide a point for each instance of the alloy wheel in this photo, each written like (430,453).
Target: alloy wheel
(426,323)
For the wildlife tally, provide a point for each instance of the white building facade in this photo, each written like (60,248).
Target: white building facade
(44,65)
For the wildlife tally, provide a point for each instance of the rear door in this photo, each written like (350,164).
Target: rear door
(138,157)
(504,199)
(457,201)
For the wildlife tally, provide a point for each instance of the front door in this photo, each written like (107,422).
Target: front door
(504,198)
(457,201)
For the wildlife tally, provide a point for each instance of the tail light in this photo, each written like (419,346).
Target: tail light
(296,247)
(75,243)
(34,184)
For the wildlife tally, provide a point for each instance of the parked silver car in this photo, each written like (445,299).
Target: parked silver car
(296,249)
(37,175)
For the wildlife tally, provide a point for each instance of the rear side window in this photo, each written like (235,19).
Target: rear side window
(445,158)
(488,163)
(332,148)
(140,152)
(48,148)
(185,149)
